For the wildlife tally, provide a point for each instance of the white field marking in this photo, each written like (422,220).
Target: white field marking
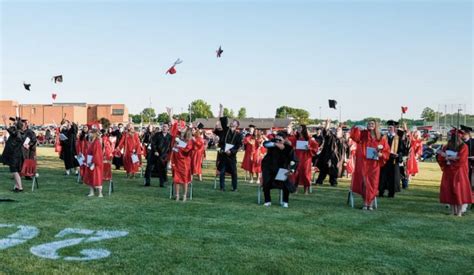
(23,234)
(50,250)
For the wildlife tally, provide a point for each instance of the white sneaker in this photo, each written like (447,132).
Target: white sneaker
(90,195)
(267,204)
(251,181)
(284,205)
(100,195)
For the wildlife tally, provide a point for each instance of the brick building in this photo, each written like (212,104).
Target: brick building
(81,113)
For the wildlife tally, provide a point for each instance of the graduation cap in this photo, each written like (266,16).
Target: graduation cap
(219,52)
(27,86)
(332,104)
(54,96)
(466,128)
(392,123)
(172,70)
(252,126)
(457,131)
(404,109)
(200,126)
(57,78)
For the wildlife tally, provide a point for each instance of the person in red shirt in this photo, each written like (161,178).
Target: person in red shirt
(130,143)
(416,150)
(455,188)
(181,162)
(257,156)
(197,154)
(365,179)
(249,150)
(95,163)
(305,157)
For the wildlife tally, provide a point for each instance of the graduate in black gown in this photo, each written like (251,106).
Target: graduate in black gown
(12,153)
(331,159)
(469,141)
(117,133)
(280,154)
(158,157)
(390,173)
(68,146)
(227,159)
(29,150)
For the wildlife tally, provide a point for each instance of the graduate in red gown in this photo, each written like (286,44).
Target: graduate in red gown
(95,163)
(416,150)
(305,157)
(365,179)
(455,188)
(81,149)
(181,162)
(107,147)
(197,154)
(249,150)
(351,158)
(258,154)
(130,143)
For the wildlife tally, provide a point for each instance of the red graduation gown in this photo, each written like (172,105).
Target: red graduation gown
(197,155)
(130,143)
(303,172)
(108,155)
(94,177)
(257,157)
(181,164)
(249,146)
(455,186)
(351,161)
(416,149)
(81,148)
(365,179)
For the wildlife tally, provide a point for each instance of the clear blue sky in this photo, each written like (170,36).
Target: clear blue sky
(371,56)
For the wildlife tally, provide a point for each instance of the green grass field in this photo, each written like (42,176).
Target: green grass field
(229,233)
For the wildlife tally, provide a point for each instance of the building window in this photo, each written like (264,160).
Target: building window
(117,112)
(33,111)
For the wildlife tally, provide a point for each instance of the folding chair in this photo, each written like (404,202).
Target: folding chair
(107,176)
(259,194)
(350,200)
(190,190)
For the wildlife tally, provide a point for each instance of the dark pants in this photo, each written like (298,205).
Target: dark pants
(153,163)
(233,172)
(324,170)
(268,188)
(118,162)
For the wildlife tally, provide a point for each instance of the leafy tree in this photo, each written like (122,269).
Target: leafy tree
(228,113)
(136,118)
(242,113)
(148,114)
(201,109)
(163,118)
(428,114)
(301,116)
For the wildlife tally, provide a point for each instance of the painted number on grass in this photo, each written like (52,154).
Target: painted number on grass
(51,250)
(23,234)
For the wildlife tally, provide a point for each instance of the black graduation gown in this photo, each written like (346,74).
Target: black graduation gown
(227,136)
(470,145)
(117,161)
(390,173)
(273,161)
(68,147)
(12,153)
(31,152)
(161,144)
(331,158)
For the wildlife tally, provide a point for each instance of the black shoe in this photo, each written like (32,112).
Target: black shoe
(147,185)
(162,185)
(334,184)
(234,190)
(16,190)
